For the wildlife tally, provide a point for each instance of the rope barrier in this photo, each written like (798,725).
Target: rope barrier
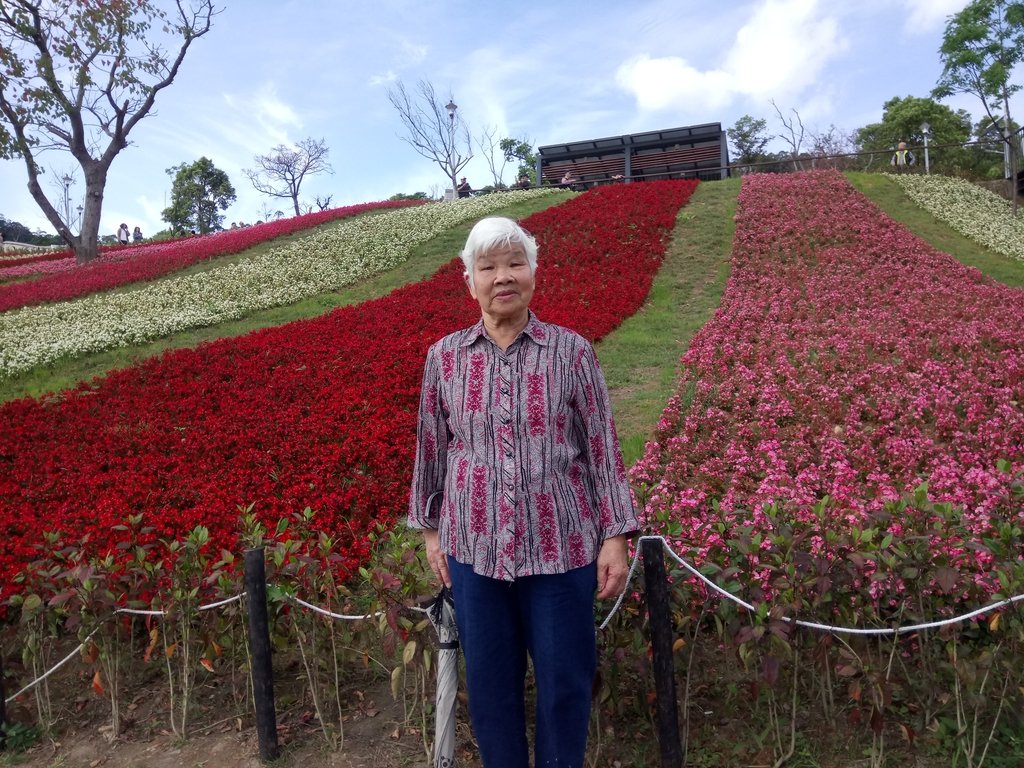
(53,669)
(798,622)
(338,616)
(130,611)
(611,614)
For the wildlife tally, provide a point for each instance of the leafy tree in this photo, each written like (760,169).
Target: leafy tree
(437,132)
(980,47)
(521,149)
(16,232)
(901,121)
(413,196)
(78,77)
(280,173)
(199,191)
(748,139)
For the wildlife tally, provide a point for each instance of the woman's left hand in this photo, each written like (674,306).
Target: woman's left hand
(612,567)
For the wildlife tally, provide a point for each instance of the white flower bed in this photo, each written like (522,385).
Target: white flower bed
(325,261)
(973,211)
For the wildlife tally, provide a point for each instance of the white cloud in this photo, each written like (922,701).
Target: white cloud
(781,51)
(386,78)
(924,16)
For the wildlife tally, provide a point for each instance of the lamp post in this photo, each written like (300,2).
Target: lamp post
(451,106)
(926,130)
(67,181)
(78,222)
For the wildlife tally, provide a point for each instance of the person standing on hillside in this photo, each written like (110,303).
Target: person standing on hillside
(123,236)
(516,439)
(902,158)
(137,235)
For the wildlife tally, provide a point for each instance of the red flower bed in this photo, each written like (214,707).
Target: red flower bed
(851,360)
(121,265)
(317,413)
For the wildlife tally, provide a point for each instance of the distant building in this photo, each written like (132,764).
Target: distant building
(696,151)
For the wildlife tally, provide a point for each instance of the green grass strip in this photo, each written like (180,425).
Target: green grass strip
(640,358)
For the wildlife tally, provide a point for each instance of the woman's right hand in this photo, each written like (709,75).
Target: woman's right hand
(437,559)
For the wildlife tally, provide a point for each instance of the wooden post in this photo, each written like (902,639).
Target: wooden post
(259,642)
(660,620)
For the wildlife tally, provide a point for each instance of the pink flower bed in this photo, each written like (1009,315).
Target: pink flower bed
(121,265)
(848,359)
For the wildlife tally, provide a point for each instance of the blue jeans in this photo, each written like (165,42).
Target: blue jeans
(551,618)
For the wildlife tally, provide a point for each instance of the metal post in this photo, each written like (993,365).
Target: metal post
(659,618)
(927,168)
(259,642)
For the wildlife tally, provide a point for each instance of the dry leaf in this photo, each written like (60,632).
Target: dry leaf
(217,650)
(97,684)
(171,649)
(993,622)
(207,664)
(154,637)
(678,644)
(397,733)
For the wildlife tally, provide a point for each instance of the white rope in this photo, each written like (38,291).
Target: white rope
(138,612)
(53,669)
(219,603)
(339,616)
(799,622)
(131,611)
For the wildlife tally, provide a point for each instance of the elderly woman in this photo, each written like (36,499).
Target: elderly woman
(516,439)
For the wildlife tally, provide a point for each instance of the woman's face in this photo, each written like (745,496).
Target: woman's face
(502,283)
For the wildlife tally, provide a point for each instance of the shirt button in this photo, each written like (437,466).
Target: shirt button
(510,487)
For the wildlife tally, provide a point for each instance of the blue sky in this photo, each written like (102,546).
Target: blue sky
(555,71)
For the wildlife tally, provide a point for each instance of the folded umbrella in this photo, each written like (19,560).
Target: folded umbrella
(441,611)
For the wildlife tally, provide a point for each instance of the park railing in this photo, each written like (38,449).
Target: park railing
(871,668)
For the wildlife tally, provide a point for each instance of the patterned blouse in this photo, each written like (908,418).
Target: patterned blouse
(522,446)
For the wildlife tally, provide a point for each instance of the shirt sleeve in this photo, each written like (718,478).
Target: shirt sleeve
(431,448)
(614,496)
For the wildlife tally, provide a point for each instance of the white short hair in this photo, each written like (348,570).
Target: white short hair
(497,232)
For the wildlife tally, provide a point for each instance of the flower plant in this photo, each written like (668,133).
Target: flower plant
(320,262)
(971,210)
(317,413)
(120,265)
(846,446)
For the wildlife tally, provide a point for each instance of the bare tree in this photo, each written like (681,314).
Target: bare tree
(490,146)
(78,77)
(795,137)
(436,131)
(831,146)
(280,173)
(323,203)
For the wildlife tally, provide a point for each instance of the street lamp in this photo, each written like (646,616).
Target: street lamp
(79,223)
(67,181)
(926,130)
(451,106)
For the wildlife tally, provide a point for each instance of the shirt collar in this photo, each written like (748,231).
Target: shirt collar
(534,328)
